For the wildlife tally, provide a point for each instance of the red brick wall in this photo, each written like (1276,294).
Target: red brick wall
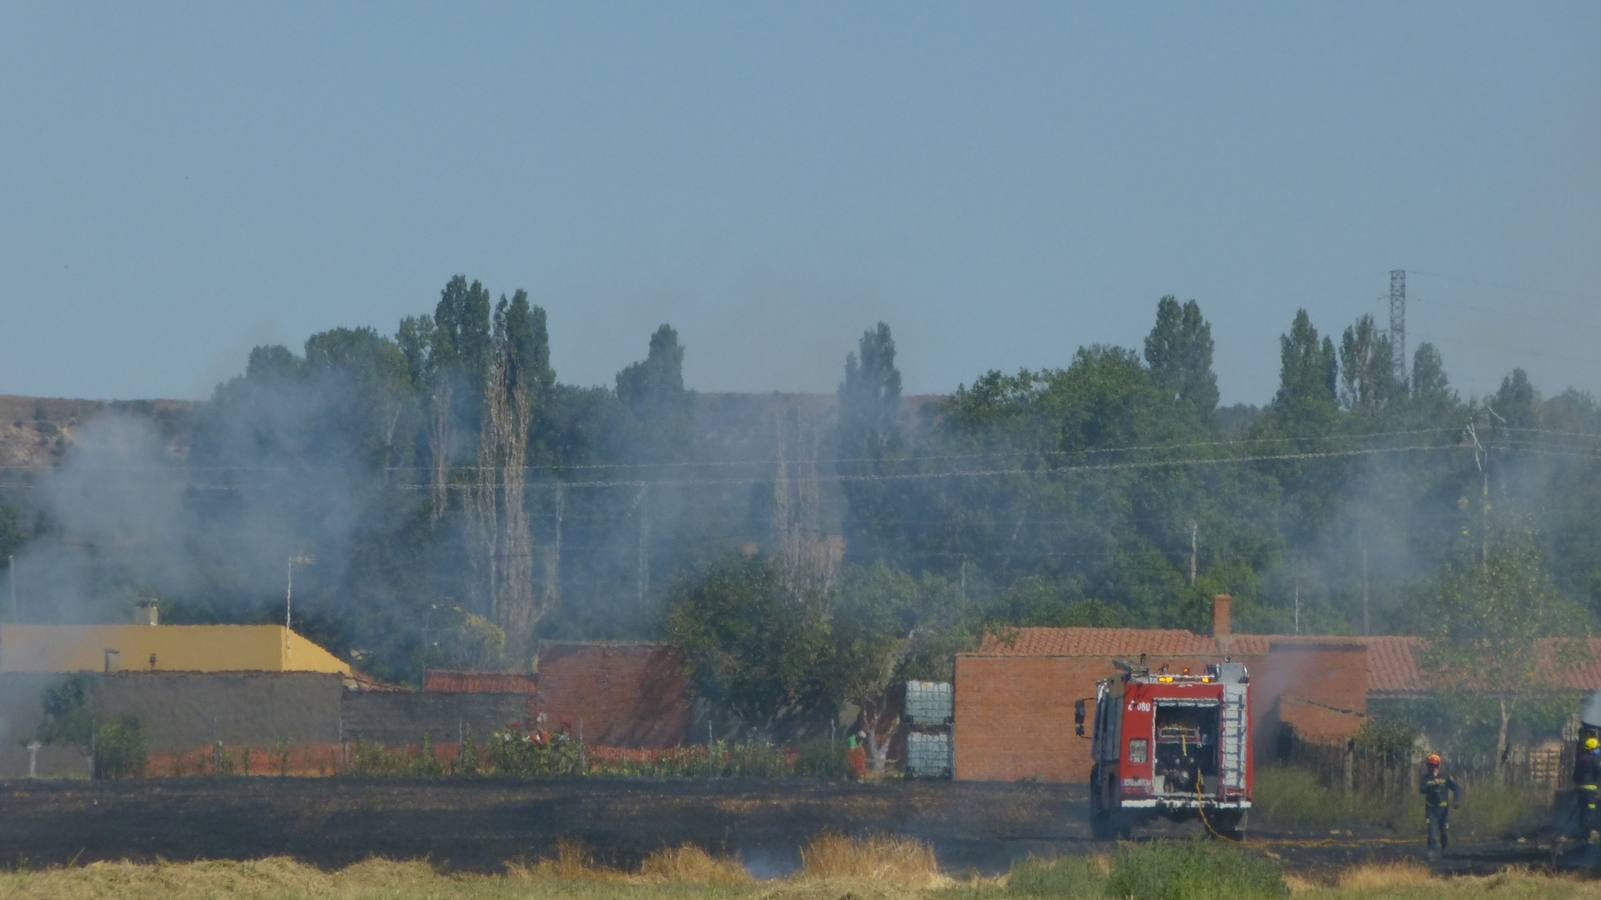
(1014,715)
(1320,690)
(618,695)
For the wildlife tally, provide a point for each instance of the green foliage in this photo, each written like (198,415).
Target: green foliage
(1193,870)
(1179,352)
(869,439)
(1386,736)
(518,754)
(1063,495)
(1305,402)
(756,645)
(658,416)
(1064,876)
(67,720)
(1487,622)
(222,762)
(120,749)
(823,758)
(1465,724)
(779,655)
(117,746)
(1368,384)
(1288,796)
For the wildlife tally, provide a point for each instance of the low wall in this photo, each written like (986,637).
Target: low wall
(402,718)
(181,711)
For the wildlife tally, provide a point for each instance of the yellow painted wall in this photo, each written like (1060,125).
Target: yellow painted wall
(176,648)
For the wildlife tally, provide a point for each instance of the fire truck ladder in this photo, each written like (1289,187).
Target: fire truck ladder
(1231,761)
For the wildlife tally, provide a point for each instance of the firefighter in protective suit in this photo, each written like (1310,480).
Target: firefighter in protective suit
(1586,774)
(1439,791)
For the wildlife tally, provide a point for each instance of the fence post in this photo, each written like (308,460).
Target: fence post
(1350,766)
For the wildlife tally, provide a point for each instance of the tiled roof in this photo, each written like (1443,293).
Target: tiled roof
(1393,664)
(1117,642)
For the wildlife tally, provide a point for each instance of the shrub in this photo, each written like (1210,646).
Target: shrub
(751,759)
(1287,795)
(221,763)
(426,763)
(823,759)
(1067,876)
(690,864)
(1193,870)
(120,749)
(535,754)
(898,860)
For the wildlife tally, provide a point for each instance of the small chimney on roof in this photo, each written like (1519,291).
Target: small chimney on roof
(147,612)
(1222,608)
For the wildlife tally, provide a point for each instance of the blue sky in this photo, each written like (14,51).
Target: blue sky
(1000,182)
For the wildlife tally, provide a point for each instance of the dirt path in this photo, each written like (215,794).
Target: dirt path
(481,825)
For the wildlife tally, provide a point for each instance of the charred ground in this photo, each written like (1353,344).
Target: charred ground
(482,825)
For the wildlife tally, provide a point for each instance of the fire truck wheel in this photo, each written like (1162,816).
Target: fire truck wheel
(1230,824)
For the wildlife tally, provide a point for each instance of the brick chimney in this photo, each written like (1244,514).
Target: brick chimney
(1222,607)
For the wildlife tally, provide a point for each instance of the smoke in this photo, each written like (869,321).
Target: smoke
(276,468)
(1592,711)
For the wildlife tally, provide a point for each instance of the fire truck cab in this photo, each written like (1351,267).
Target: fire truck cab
(1171,744)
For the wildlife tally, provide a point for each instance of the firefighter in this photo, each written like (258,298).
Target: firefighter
(1586,774)
(856,746)
(1438,790)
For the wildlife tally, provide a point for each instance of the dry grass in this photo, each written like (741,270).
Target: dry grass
(880,868)
(1384,876)
(572,862)
(880,858)
(690,864)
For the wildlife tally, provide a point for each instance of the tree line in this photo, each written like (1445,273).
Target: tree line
(462,502)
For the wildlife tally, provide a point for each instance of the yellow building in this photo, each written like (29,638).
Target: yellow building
(161,648)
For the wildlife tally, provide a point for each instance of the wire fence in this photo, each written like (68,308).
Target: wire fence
(1390,773)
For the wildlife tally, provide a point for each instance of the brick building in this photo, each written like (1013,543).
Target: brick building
(616,694)
(1015,694)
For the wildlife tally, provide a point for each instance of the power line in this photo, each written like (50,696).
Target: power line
(1503,285)
(897,476)
(692,464)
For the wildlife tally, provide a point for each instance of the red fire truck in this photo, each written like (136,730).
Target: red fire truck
(1173,744)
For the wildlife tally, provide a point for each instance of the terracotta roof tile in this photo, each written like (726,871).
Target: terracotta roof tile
(1393,664)
(1118,642)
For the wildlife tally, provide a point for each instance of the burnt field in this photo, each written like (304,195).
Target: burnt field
(482,825)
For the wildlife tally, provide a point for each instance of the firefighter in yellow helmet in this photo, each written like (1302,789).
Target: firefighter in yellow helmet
(1586,774)
(1438,790)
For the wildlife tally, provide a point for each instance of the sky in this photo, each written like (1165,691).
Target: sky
(1001,183)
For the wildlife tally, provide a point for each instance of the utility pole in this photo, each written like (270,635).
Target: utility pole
(1195,531)
(642,561)
(1365,630)
(1481,458)
(1295,575)
(299,559)
(1398,322)
(11,571)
